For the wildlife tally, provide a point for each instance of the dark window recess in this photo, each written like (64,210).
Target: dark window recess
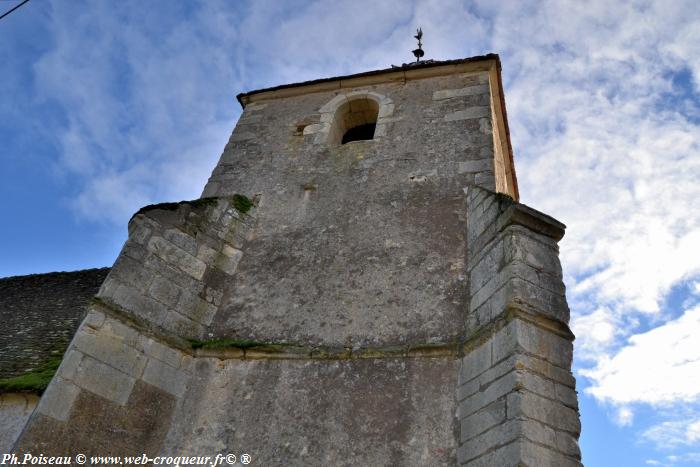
(359,133)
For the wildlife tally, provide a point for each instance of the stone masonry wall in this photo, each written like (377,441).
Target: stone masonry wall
(517,398)
(128,371)
(127,366)
(363,243)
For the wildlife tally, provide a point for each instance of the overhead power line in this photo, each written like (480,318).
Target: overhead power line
(13,9)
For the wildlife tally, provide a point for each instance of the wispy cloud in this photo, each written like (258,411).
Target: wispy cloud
(143,121)
(671,434)
(603,103)
(660,366)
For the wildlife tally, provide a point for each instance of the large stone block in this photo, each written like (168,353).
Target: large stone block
(526,404)
(165,377)
(479,422)
(475,362)
(57,400)
(522,452)
(460,92)
(539,251)
(495,438)
(164,353)
(473,112)
(165,291)
(105,381)
(489,394)
(181,259)
(525,337)
(114,352)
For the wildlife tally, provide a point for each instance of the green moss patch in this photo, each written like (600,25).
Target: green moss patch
(227,343)
(34,381)
(241,203)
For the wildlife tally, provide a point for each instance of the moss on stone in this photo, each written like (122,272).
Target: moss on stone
(241,203)
(226,343)
(34,381)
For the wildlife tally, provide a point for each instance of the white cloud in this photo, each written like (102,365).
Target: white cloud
(660,366)
(596,332)
(624,416)
(671,434)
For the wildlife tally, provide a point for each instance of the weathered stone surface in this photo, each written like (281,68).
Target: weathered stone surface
(164,353)
(165,377)
(389,411)
(15,410)
(494,391)
(475,362)
(474,112)
(466,91)
(527,404)
(495,438)
(521,336)
(103,428)
(523,452)
(115,352)
(103,380)
(477,423)
(475,166)
(183,260)
(57,401)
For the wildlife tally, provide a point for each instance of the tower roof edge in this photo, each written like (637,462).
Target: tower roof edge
(405,71)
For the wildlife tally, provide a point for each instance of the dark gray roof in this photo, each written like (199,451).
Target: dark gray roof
(39,314)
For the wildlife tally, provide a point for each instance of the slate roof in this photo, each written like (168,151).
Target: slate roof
(39,314)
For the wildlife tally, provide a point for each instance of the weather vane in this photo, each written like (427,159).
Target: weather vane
(419,51)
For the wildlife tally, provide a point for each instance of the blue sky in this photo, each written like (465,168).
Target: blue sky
(108,106)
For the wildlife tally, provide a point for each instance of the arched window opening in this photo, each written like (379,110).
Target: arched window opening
(355,120)
(359,133)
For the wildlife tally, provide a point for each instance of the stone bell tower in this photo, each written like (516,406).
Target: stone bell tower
(358,285)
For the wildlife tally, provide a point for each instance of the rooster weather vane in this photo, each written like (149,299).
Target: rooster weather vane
(418,53)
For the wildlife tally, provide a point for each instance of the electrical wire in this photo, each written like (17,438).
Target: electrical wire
(13,9)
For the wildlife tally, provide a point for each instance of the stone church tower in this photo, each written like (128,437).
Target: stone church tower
(358,285)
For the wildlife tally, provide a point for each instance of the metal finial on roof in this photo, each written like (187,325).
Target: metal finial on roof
(419,51)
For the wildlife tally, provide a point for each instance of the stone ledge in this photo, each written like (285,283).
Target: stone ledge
(269,351)
(248,350)
(520,214)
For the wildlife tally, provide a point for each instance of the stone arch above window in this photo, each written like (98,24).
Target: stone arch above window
(355,111)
